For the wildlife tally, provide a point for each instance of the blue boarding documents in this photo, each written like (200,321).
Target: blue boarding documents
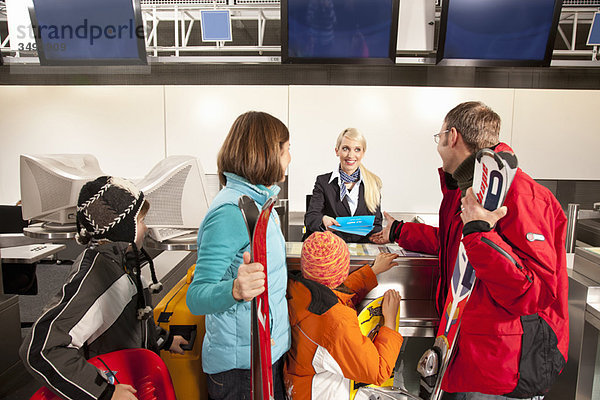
(357,225)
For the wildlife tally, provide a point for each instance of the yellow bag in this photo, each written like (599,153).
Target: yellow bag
(173,314)
(370,319)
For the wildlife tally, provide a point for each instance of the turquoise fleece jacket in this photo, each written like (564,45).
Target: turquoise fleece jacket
(222,240)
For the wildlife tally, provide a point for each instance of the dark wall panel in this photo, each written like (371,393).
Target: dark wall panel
(584,193)
(276,74)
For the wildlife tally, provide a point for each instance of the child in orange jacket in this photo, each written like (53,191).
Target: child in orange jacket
(328,349)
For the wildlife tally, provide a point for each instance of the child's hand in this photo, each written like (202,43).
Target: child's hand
(389,308)
(250,281)
(178,340)
(124,392)
(383,262)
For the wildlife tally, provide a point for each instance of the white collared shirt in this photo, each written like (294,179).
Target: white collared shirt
(352,194)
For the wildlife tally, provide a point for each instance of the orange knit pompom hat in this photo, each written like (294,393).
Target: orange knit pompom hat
(325,259)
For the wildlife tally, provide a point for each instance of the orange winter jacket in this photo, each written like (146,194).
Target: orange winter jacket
(328,348)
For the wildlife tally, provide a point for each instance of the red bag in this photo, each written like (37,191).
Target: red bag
(140,368)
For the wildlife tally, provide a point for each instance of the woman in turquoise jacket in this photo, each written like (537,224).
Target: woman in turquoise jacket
(253,158)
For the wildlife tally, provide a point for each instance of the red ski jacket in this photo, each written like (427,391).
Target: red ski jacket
(514,333)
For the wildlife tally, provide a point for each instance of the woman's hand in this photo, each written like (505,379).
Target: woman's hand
(383,262)
(178,340)
(250,281)
(328,221)
(389,308)
(383,236)
(124,392)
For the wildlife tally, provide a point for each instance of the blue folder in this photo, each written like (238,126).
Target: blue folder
(357,225)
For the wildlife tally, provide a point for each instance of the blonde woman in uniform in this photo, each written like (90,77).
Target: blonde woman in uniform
(349,190)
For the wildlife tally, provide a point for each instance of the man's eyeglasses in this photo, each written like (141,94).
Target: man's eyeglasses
(436,137)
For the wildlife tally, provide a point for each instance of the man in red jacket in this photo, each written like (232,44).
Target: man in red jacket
(514,333)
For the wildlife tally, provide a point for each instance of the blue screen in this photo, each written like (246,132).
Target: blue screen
(87,29)
(339,28)
(594,36)
(498,29)
(216,25)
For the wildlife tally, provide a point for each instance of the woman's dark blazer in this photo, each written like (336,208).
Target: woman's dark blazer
(325,200)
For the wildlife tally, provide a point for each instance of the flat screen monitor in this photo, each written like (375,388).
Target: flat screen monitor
(88,32)
(498,32)
(339,31)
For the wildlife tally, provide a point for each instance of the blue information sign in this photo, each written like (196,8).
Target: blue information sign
(216,25)
(594,36)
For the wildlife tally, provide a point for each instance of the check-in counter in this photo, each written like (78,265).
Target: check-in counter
(415,277)
(11,333)
(578,378)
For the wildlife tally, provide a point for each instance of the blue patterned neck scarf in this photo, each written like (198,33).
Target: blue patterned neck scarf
(345,178)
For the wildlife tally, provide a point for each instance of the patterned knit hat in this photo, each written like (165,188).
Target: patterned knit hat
(325,259)
(107,209)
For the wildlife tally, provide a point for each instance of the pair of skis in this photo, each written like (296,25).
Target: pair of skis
(261,369)
(493,175)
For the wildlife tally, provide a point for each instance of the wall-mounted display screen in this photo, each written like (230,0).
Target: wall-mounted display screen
(339,31)
(88,32)
(498,32)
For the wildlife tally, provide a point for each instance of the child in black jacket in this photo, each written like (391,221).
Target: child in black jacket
(104,305)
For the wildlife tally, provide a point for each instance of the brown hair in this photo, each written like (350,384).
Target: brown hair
(144,210)
(252,149)
(478,124)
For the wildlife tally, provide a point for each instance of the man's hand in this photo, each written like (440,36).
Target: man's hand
(383,262)
(178,340)
(124,392)
(250,281)
(389,308)
(473,211)
(383,236)
(328,221)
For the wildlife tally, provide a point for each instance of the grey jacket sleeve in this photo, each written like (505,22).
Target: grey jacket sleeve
(49,352)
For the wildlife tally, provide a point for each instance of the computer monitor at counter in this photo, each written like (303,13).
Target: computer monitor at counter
(175,189)
(50,185)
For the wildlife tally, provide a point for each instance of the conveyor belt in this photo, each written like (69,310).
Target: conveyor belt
(588,231)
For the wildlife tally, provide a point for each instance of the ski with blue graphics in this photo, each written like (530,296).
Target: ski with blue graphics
(261,369)
(493,175)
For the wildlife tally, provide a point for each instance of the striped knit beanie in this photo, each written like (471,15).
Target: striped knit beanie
(325,259)
(107,209)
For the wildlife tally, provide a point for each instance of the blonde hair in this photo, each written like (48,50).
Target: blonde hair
(372,182)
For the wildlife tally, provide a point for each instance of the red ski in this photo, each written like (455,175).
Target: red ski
(492,178)
(261,369)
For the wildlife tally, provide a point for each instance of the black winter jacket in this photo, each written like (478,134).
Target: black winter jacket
(94,313)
